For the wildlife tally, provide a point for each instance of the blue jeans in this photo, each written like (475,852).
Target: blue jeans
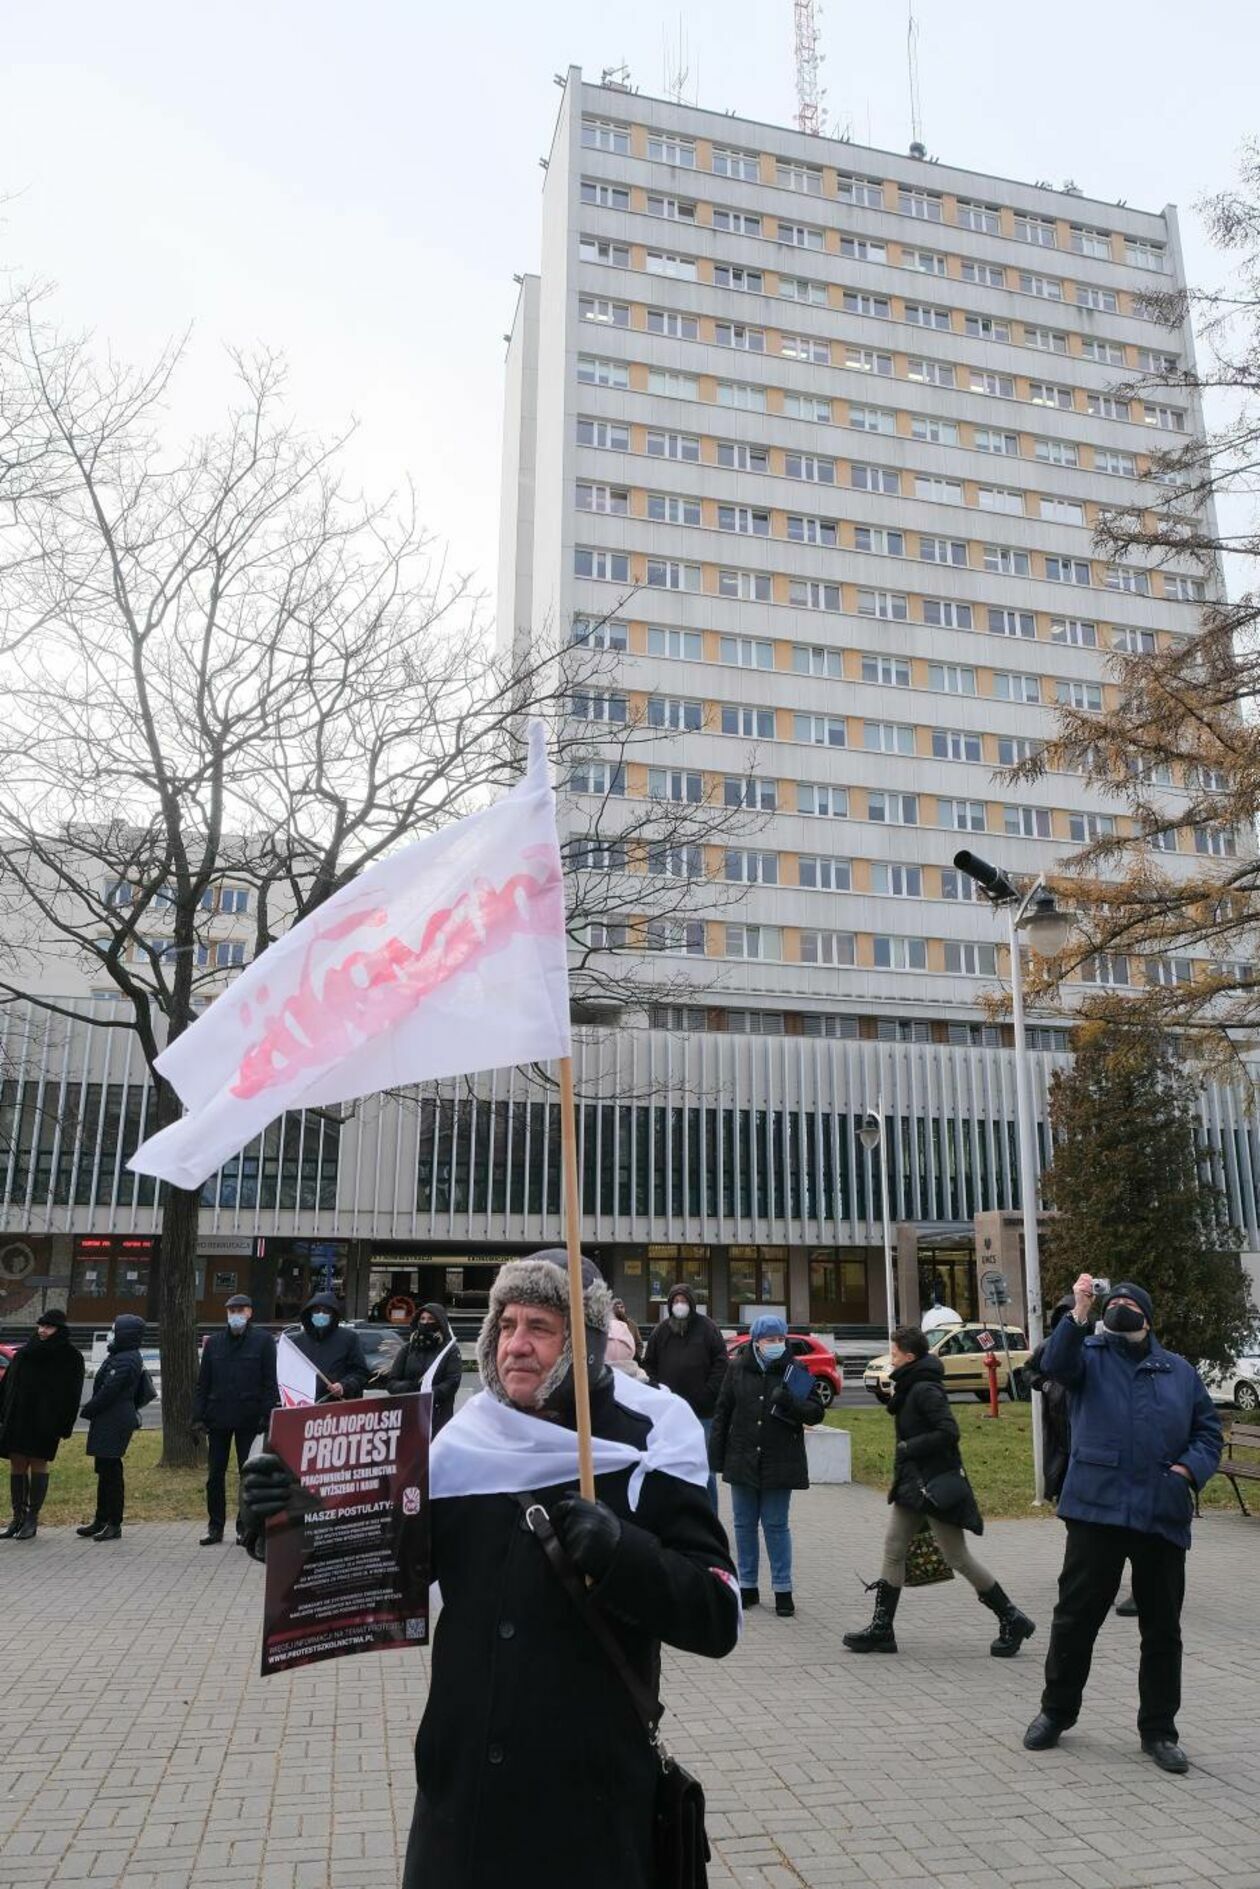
(706,1424)
(770,1508)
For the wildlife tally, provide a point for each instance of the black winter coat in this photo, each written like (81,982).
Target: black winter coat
(335,1352)
(689,1360)
(39,1396)
(758,1435)
(531,1763)
(927,1442)
(236,1384)
(111,1409)
(407,1371)
(1056,1427)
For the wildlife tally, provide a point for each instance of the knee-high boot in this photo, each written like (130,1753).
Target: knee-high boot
(35,1502)
(18,1497)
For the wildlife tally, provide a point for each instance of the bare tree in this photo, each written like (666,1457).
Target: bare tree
(1185,719)
(227,669)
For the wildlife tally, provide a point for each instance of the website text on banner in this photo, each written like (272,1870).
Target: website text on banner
(445,958)
(348,1564)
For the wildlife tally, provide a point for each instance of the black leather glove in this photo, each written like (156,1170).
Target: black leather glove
(782,1398)
(198,1432)
(589,1533)
(901,1453)
(267,1485)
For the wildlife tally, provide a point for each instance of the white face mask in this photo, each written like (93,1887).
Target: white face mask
(679,1309)
(237,1321)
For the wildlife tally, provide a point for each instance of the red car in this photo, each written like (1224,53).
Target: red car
(819,1360)
(7,1355)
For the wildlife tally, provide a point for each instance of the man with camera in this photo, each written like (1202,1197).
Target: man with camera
(1144,1438)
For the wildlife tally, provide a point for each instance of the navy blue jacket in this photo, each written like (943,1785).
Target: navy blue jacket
(1130,1422)
(236,1385)
(111,1409)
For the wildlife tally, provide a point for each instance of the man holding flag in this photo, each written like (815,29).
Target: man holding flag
(525,1707)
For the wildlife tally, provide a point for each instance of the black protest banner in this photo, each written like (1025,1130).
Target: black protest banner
(348,1563)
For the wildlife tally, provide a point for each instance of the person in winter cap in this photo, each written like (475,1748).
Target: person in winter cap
(687,1354)
(1145,1438)
(523,1697)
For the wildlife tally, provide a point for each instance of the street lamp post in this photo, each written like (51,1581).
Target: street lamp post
(1036,913)
(872,1137)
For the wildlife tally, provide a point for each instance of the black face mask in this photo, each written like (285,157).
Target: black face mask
(1123,1318)
(428,1337)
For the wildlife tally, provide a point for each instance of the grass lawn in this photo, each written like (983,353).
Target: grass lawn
(153,1494)
(998,1456)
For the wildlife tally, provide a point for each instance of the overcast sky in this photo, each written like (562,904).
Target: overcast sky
(357,183)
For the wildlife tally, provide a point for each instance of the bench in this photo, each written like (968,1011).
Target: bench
(1246,1468)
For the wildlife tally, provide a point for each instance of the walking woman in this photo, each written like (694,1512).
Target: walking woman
(39,1401)
(113,1419)
(929,1480)
(758,1443)
(429,1361)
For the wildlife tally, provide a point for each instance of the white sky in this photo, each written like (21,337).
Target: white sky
(356,184)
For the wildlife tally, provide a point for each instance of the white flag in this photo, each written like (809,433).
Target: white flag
(295,1374)
(445,958)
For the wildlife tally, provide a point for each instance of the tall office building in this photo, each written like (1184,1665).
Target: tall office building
(819,436)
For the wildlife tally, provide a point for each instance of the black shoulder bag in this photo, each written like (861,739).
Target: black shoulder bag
(680,1848)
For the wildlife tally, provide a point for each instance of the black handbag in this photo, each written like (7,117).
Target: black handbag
(680,1847)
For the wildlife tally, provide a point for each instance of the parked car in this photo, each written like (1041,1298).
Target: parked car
(381,1345)
(7,1354)
(819,1360)
(150,1355)
(961,1350)
(1241,1386)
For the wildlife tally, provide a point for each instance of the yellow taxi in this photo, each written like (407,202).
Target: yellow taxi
(961,1349)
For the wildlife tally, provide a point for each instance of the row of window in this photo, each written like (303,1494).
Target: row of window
(807,593)
(751,338)
(227,900)
(877,193)
(821,872)
(605,778)
(822,410)
(808,659)
(227,954)
(824,469)
(776,944)
(752,521)
(686,1018)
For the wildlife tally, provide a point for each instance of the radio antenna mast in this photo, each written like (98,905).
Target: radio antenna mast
(917,147)
(808,60)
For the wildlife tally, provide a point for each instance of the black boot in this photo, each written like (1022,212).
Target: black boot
(212,1537)
(750,1596)
(784,1605)
(17,1495)
(90,1528)
(39,1489)
(879,1636)
(1013,1626)
(110,1532)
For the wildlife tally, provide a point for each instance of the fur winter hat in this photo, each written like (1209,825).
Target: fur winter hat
(543,1279)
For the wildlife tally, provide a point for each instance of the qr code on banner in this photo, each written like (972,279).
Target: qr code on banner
(417,1629)
(411,1502)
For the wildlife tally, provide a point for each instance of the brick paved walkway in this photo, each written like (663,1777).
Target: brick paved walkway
(157,1757)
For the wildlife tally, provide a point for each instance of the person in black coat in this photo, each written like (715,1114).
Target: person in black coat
(333,1348)
(929,1482)
(236,1393)
(526,1717)
(113,1419)
(687,1354)
(1056,1427)
(758,1444)
(430,1360)
(39,1401)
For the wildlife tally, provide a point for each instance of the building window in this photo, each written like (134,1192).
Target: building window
(742,457)
(600,249)
(761,796)
(742,395)
(742,281)
(989,275)
(959,886)
(869,360)
(807,407)
(736,222)
(1075,631)
(746,586)
(805,348)
(1004,561)
(929,373)
(743,520)
(1055,452)
(612,499)
(610,566)
(897,882)
(943,613)
(955,744)
(802,530)
(951,678)
(926,261)
(925,426)
(970,960)
(759,942)
(823,731)
(939,491)
(899,954)
(943,551)
(1143,255)
(828,947)
(746,652)
(599,705)
(1105,968)
(602,633)
(1124,577)
(603,134)
(1217,842)
(1104,300)
(1068,571)
(800,236)
(926,205)
(892,809)
(1133,642)
(665,509)
(1168,419)
(1084,828)
(598,777)
(1109,353)
(1038,230)
(985,218)
(811,659)
(808,594)
(683,446)
(1109,459)
(892,671)
(1086,242)
(754,724)
(1012,623)
(1183,589)
(676,934)
(1047,287)
(874,479)
(605,196)
(665,149)
(986,328)
(795,288)
(596,308)
(803,177)
(681,645)
(821,800)
(669,574)
(1062,511)
(667,783)
(867,191)
(810,467)
(744,165)
(863,249)
(1047,340)
(996,498)
(672,385)
(818,872)
(751,868)
(1027,823)
(1012,685)
(925,315)
(611,435)
(1075,694)
(883,603)
(887,737)
(1006,445)
(961,816)
(879,541)
(668,262)
(734,334)
(673,209)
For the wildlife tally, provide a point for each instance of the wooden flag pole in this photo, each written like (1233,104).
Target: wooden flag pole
(573,1245)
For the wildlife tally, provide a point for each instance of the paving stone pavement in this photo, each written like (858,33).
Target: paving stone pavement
(142,1751)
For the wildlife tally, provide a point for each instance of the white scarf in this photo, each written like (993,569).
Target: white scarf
(426,1382)
(489,1448)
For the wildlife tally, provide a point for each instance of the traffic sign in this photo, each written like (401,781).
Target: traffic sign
(986,1341)
(993,1286)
